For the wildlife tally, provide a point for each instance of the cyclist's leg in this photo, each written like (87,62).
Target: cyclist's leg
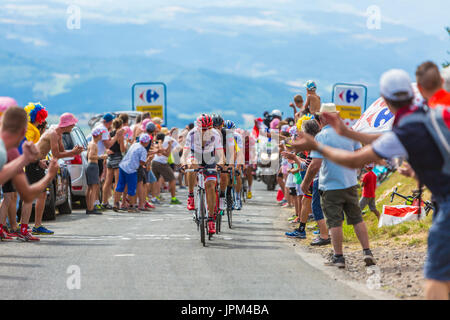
(223,187)
(238,174)
(249,175)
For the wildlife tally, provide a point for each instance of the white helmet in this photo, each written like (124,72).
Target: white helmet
(277,113)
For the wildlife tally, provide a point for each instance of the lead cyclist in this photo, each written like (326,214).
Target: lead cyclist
(203,147)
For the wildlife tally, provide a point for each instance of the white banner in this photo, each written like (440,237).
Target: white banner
(378,118)
(393,215)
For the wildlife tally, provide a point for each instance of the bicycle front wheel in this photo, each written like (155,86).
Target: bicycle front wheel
(202,216)
(229,208)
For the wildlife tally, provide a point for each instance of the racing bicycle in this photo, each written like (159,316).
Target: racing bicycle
(413,200)
(201,213)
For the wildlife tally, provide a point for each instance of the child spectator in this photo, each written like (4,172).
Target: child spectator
(369,185)
(128,168)
(312,104)
(92,171)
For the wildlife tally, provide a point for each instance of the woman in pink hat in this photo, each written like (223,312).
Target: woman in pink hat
(51,140)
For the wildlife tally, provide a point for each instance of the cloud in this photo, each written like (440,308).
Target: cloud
(55,86)
(34,41)
(244,21)
(379,40)
(151,52)
(249,120)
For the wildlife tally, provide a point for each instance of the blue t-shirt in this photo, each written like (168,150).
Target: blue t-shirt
(333,176)
(130,163)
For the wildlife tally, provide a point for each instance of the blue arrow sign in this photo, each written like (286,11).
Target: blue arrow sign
(351,96)
(152,96)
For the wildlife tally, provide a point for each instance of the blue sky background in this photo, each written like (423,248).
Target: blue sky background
(239,57)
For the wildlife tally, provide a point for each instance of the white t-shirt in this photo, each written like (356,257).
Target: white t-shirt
(105,136)
(167,139)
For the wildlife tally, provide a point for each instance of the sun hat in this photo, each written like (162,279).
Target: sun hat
(108,117)
(144,124)
(7,102)
(395,85)
(128,132)
(67,120)
(144,138)
(96,132)
(327,107)
(165,131)
(157,120)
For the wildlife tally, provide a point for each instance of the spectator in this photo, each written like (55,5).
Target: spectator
(160,166)
(338,187)
(12,131)
(410,138)
(112,164)
(92,175)
(128,168)
(312,104)
(298,103)
(105,143)
(430,84)
(369,185)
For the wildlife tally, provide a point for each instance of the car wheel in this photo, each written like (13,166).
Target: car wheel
(66,207)
(50,209)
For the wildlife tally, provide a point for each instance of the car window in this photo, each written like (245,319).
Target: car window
(79,140)
(82,137)
(67,141)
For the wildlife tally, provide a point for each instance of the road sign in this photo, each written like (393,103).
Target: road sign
(350,100)
(150,97)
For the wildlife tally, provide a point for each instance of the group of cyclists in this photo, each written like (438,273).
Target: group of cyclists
(223,152)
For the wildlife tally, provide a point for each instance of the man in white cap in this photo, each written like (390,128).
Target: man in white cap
(338,188)
(411,140)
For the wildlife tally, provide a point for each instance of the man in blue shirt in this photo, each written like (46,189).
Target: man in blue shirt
(411,140)
(128,167)
(338,188)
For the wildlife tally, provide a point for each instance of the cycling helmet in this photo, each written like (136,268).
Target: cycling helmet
(276,113)
(204,121)
(310,85)
(217,120)
(229,124)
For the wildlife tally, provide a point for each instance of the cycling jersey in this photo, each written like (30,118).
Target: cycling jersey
(202,149)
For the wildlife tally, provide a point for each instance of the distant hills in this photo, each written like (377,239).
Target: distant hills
(91,70)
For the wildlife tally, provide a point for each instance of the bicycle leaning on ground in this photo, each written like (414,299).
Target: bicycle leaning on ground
(413,200)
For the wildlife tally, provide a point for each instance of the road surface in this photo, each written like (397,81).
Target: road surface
(159,255)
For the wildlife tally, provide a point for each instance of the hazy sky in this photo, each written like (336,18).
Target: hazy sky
(230,15)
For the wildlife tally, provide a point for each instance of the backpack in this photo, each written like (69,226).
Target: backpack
(438,129)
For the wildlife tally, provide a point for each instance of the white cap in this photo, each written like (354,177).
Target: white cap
(327,107)
(396,81)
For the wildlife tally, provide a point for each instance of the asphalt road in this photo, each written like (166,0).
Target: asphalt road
(159,255)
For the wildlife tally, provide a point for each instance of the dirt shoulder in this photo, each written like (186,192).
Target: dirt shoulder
(399,271)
